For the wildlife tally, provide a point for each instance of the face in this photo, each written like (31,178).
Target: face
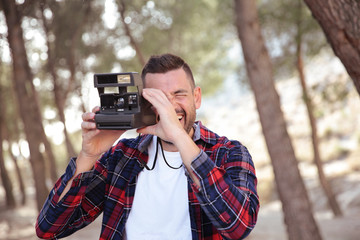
(176,86)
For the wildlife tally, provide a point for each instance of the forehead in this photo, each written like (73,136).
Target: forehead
(168,81)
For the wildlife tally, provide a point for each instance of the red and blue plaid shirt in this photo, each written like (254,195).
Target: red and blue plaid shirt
(224,207)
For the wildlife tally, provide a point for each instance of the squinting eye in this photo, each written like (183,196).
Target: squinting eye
(180,95)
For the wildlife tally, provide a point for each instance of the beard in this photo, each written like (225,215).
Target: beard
(189,119)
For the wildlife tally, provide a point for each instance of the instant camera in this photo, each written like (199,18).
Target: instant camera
(122,104)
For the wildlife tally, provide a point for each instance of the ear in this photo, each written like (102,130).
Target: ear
(197,97)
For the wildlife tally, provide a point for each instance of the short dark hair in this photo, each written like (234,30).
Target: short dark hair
(165,63)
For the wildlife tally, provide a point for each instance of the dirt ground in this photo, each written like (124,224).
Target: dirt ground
(18,224)
(270,225)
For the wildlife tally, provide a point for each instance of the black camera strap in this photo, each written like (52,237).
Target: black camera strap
(158,142)
(162,151)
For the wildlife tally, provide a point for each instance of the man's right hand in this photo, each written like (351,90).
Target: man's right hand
(94,141)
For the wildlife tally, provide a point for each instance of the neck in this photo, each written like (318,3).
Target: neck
(168,146)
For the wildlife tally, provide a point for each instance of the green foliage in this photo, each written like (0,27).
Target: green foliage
(284,23)
(196,30)
(202,32)
(331,95)
(79,26)
(199,31)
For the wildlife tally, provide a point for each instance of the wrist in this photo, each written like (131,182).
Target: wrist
(187,147)
(179,135)
(85,162)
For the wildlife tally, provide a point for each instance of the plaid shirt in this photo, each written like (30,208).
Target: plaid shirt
(224,207)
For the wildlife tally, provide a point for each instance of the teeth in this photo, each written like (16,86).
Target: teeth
(180,117)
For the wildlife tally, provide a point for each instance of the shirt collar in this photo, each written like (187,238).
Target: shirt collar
(197,132)
(144,142)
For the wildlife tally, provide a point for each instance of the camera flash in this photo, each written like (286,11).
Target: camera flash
(124,78)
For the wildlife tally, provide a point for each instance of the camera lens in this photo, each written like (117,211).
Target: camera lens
(119,103)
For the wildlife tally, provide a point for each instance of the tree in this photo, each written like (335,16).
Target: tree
(62,91)
(5,178)
(279,20)
(178,27)
(134,44)
(9,128)
(290,29)
(71,43)
(27,99)
(312,120)
(19,177)
(78,46)
(295,202)
(339,20)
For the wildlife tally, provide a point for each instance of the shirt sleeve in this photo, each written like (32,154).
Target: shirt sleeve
(227,190)
(79,207)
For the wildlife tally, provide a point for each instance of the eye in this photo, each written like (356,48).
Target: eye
(180,95)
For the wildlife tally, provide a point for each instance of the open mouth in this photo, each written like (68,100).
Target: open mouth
(180,114)
(180,117)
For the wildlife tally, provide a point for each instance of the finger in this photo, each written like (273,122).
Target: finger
(86,125)
(157,98)
(147,130)
(164,108)
(88,116)
(154,95)
(96,109)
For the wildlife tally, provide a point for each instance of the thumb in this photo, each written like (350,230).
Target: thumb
(147,130)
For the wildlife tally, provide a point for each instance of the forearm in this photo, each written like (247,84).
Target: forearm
(84,163)
(55,215)
(59,218)
(189,151)
(231,203)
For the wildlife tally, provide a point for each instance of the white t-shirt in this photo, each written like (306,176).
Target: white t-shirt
(160,208)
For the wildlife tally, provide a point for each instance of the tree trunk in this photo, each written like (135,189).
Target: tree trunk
(7,136)
(315,141)
(6,181)
(50,157)
(297,209)
(340,21)
(312,120)
(29,110)
(71,62)
(133,42)
(19,178)
(59,96)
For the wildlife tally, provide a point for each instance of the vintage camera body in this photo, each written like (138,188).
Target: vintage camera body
(122,105)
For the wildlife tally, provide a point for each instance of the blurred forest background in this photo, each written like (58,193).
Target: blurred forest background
(278,75)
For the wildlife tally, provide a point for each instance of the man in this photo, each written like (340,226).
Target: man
(199,186)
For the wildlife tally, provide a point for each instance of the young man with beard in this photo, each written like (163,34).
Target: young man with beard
(198,186)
